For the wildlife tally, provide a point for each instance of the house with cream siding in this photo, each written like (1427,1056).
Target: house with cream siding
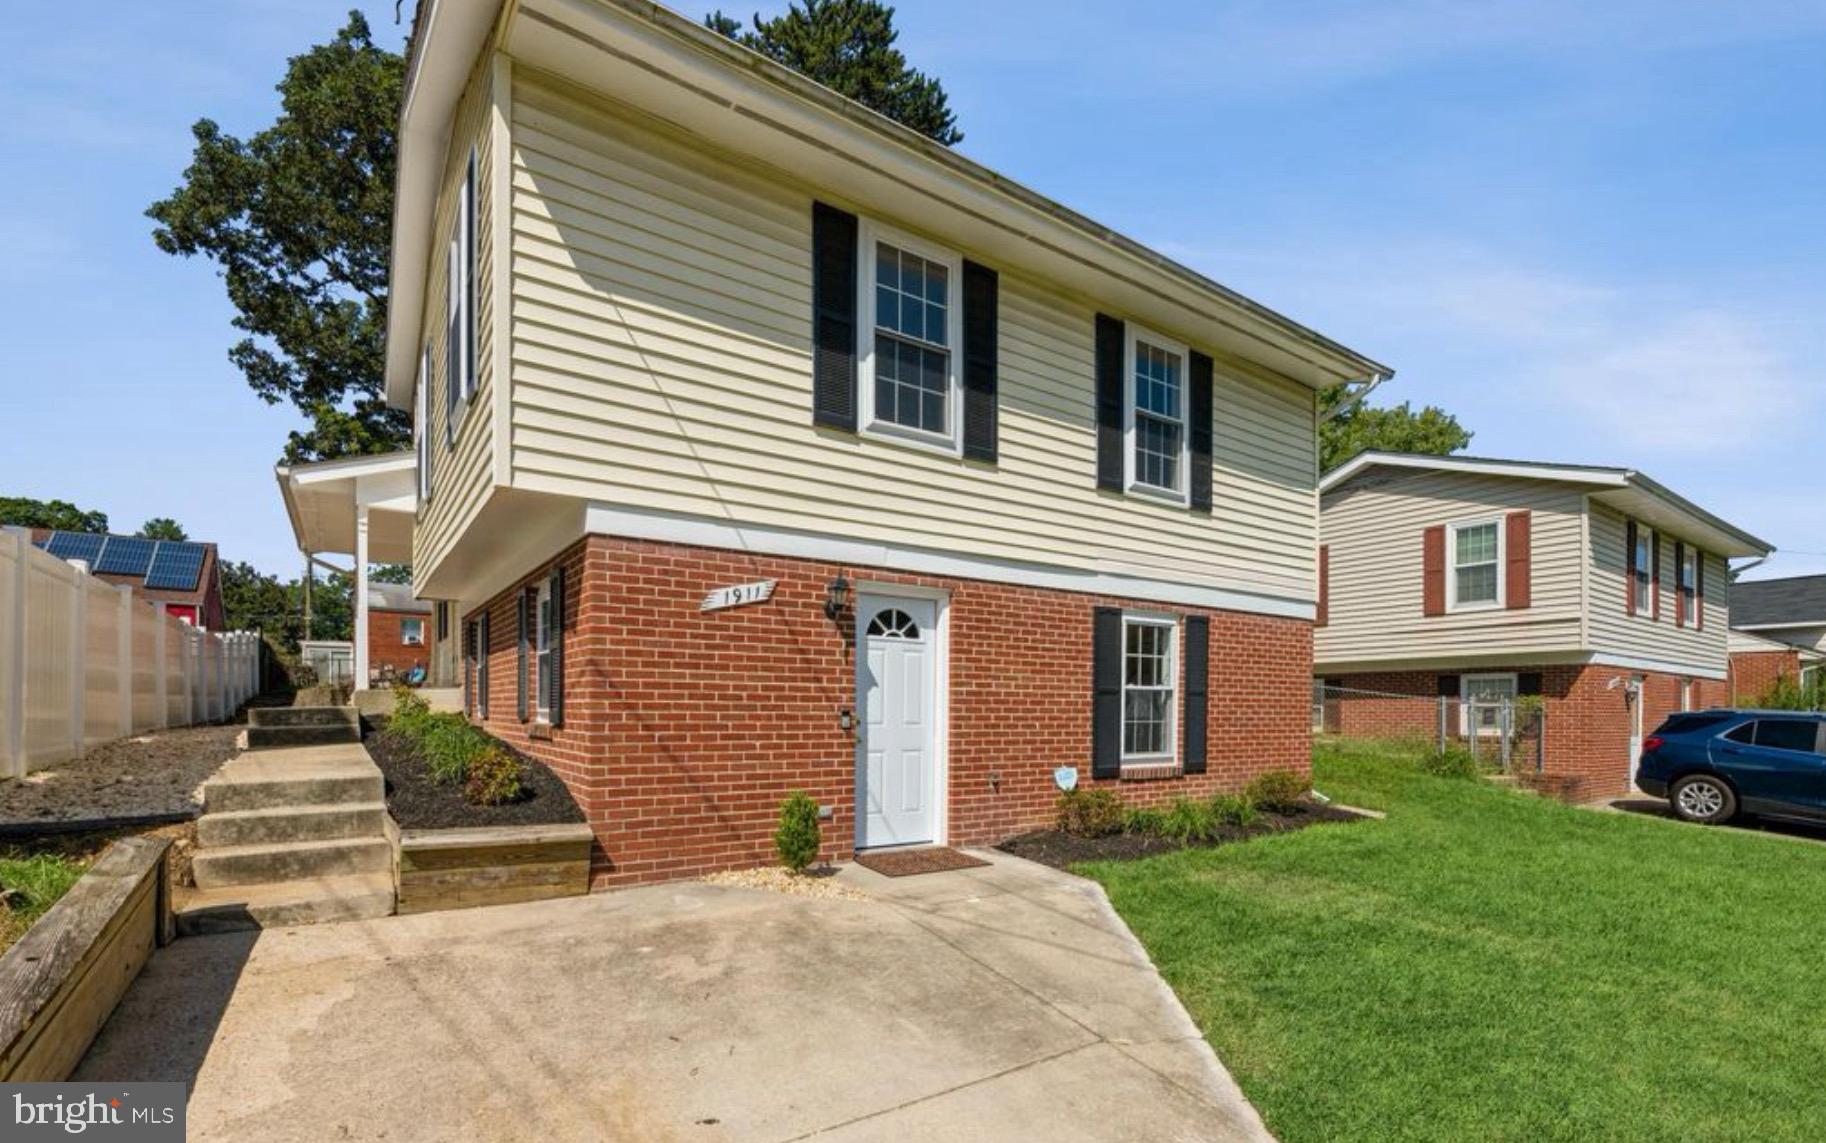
(1599,590)
(766,445)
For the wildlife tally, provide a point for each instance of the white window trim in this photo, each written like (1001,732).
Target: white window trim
(1502,560)
(1464,700)
(1171,730)
(1688,604)
(1133,333)
(951,442)
(458,305)
(1646,588)
(406,640)
(1318,705)
(421,426)
(542,649)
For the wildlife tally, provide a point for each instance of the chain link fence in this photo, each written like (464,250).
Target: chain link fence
(1503,734)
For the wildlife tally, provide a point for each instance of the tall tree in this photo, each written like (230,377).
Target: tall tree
(390,573)
(298,219)
(62,515)
(1358,428)
(162,528)
(848,46)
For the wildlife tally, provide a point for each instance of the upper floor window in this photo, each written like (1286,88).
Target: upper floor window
(1643,569)
(421,426)
(1150,676)
(912,324)
(460,306)
(1476,566)
(1156,415)
(1689,585)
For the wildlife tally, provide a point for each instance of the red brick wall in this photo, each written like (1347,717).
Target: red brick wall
(684,729)
(385,648)
(1588,723)
(1753,672)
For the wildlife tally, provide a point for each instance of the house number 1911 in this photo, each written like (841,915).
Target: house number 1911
(738,595)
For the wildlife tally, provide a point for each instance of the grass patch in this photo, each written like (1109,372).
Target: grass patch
(29,885)
(1488,964)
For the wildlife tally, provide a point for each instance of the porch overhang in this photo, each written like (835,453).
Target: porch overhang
(325,501)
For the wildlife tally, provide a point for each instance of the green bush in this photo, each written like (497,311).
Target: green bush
(796,841)
(1455,761)
(495,776)
(448,744)
(1277,791)
(1230,809)
(1187,821)
(1788,693)
(1090,812)
(410,710)
(1143,820)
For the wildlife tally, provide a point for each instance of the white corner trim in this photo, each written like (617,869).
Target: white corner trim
(1659,666)
(500,238)
(633,523)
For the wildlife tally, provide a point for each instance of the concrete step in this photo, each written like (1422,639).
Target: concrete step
(292,823)
(237,907)
(326,734)
(294,716)
(290,861)
(317,776)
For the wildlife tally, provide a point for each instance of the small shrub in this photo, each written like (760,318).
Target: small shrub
(1144,820)
(409,710)
(1455,761)
(796,841)
(448,744)
(1277,791)
(495,776)
(1229,809)
(1187,821)
(1090,813)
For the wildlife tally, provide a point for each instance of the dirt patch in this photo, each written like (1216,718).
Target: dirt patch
(1063,850)
(156,774)
(416,802)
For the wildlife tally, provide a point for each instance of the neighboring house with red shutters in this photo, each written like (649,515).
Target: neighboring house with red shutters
(1598,589)
(766,445)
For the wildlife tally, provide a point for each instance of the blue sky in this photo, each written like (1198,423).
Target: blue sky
(1596,232)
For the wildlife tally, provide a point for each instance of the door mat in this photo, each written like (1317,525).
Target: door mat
(907,862)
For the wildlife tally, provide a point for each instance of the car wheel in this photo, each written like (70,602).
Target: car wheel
(1704,799)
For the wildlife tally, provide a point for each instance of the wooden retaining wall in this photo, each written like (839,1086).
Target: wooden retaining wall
(61,981)
(494,865)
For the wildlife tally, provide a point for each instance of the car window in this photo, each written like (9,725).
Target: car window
(1692,723)
(1788,734)
(1745,734)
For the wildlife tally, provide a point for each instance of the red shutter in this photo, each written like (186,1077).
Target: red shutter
(1654,576)
(1518,588)
(1433,571)
(1324,615)
(1680,587)
(1629,568)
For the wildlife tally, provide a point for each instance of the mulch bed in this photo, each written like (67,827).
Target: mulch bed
(416,802)
(909,862)
(1063,850)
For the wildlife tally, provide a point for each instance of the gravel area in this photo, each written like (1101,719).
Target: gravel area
(416,802)
(775,879)
(158,773)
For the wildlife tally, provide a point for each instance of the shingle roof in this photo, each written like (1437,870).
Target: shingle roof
(1762,602)
(395,597)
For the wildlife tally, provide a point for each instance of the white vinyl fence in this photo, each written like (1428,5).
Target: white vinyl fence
(83,662)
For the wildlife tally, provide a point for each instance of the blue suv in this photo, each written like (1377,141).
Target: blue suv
(1711,764)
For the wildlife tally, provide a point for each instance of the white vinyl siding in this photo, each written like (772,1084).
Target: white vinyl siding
(1614,631)
(661,361)
(1375,525)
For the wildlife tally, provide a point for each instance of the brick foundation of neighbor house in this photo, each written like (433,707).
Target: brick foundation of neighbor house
(1587,720)
(1754,672)
(684,729)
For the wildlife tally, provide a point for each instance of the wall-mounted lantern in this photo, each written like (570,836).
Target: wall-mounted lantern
(837,597)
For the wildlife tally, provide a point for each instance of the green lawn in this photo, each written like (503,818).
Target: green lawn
(1487,964)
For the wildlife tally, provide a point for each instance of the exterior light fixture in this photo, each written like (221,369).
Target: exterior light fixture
(837,597)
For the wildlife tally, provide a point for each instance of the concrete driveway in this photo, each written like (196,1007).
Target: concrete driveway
(1000,1003)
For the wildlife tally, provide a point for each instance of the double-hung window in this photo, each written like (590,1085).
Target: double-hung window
(1689,586)
(1476,565)
(1150,677)
(412,632)
(1155,420)
(542,654)
(1484,699)
(1644,570)
(912,325)
(460,306)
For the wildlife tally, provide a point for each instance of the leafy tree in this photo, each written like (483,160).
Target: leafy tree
(848,46)
(59,514)
(254,599)
(390,573)
(298,220)
(162,528)
(1397,428)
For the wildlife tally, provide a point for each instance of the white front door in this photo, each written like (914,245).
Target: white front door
(1638,691)
(896,694)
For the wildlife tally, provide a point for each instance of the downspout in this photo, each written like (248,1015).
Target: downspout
(1355,396)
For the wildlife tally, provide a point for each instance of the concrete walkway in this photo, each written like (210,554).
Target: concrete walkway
(1004,1003)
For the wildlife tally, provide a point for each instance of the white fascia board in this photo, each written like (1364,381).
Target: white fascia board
(1571,474)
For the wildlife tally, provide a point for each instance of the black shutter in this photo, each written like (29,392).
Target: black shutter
(520,609)
(482,664)
(1106,693)
(556,701)
(981,288)
(1198,407)
(1198,687)
(469,667)
(833,317)
(1109,402)
(1528,683)
(1448,686)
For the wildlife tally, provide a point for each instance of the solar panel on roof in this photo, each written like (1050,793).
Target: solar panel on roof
(176,566)
(126,555)
(76,546)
